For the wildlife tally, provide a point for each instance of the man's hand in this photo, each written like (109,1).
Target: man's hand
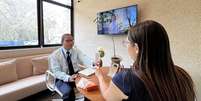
(73,78)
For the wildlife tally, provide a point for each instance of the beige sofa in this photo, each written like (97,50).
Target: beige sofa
(22,76)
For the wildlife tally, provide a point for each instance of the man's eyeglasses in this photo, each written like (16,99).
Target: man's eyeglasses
(69,40)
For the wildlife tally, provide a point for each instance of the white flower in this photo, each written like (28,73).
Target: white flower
(101,51)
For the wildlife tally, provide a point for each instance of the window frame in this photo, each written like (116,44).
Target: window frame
(40,25)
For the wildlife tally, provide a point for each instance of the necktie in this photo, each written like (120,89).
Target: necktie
(70,65)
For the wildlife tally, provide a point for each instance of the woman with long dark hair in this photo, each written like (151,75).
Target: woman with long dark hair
(154,76)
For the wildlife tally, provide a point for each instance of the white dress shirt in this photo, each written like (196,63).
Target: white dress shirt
(58,63)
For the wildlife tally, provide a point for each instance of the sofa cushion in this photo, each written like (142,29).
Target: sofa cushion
(40,65)
(24,67)
(8,71)
(22,88)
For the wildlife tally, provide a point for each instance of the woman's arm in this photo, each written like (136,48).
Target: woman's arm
(110,92)
(103,86)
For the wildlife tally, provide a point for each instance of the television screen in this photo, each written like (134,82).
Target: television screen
(116,21)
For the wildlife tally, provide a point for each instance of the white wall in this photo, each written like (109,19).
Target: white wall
(86,30)
(182,20)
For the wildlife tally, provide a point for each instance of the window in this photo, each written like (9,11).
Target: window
(66,2)
(18,25)
(34,23)
(57,21)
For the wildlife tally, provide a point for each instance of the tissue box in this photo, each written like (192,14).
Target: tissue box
(92,86)
(87,84)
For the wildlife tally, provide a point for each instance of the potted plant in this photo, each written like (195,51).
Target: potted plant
(116,62)
(115,59)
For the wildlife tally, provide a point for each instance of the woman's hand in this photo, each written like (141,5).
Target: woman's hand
(99,73)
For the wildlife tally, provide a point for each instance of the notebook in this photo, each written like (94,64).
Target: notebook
(87,72)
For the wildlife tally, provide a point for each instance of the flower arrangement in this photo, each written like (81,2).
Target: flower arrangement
(98,56)
(101,52)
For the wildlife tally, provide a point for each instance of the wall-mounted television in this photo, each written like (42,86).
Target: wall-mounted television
(116,21)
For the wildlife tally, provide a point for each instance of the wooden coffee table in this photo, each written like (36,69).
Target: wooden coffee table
(96,94)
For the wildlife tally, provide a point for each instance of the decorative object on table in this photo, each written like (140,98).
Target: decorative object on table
(87,84)
(99,55)
(115,59)
(112,71)
(115,62)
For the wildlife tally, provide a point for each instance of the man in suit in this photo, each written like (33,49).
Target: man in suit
(64,64)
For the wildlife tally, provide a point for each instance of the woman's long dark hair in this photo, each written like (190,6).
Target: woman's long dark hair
(154,65)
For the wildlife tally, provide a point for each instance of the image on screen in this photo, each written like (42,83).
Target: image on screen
(117,21)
